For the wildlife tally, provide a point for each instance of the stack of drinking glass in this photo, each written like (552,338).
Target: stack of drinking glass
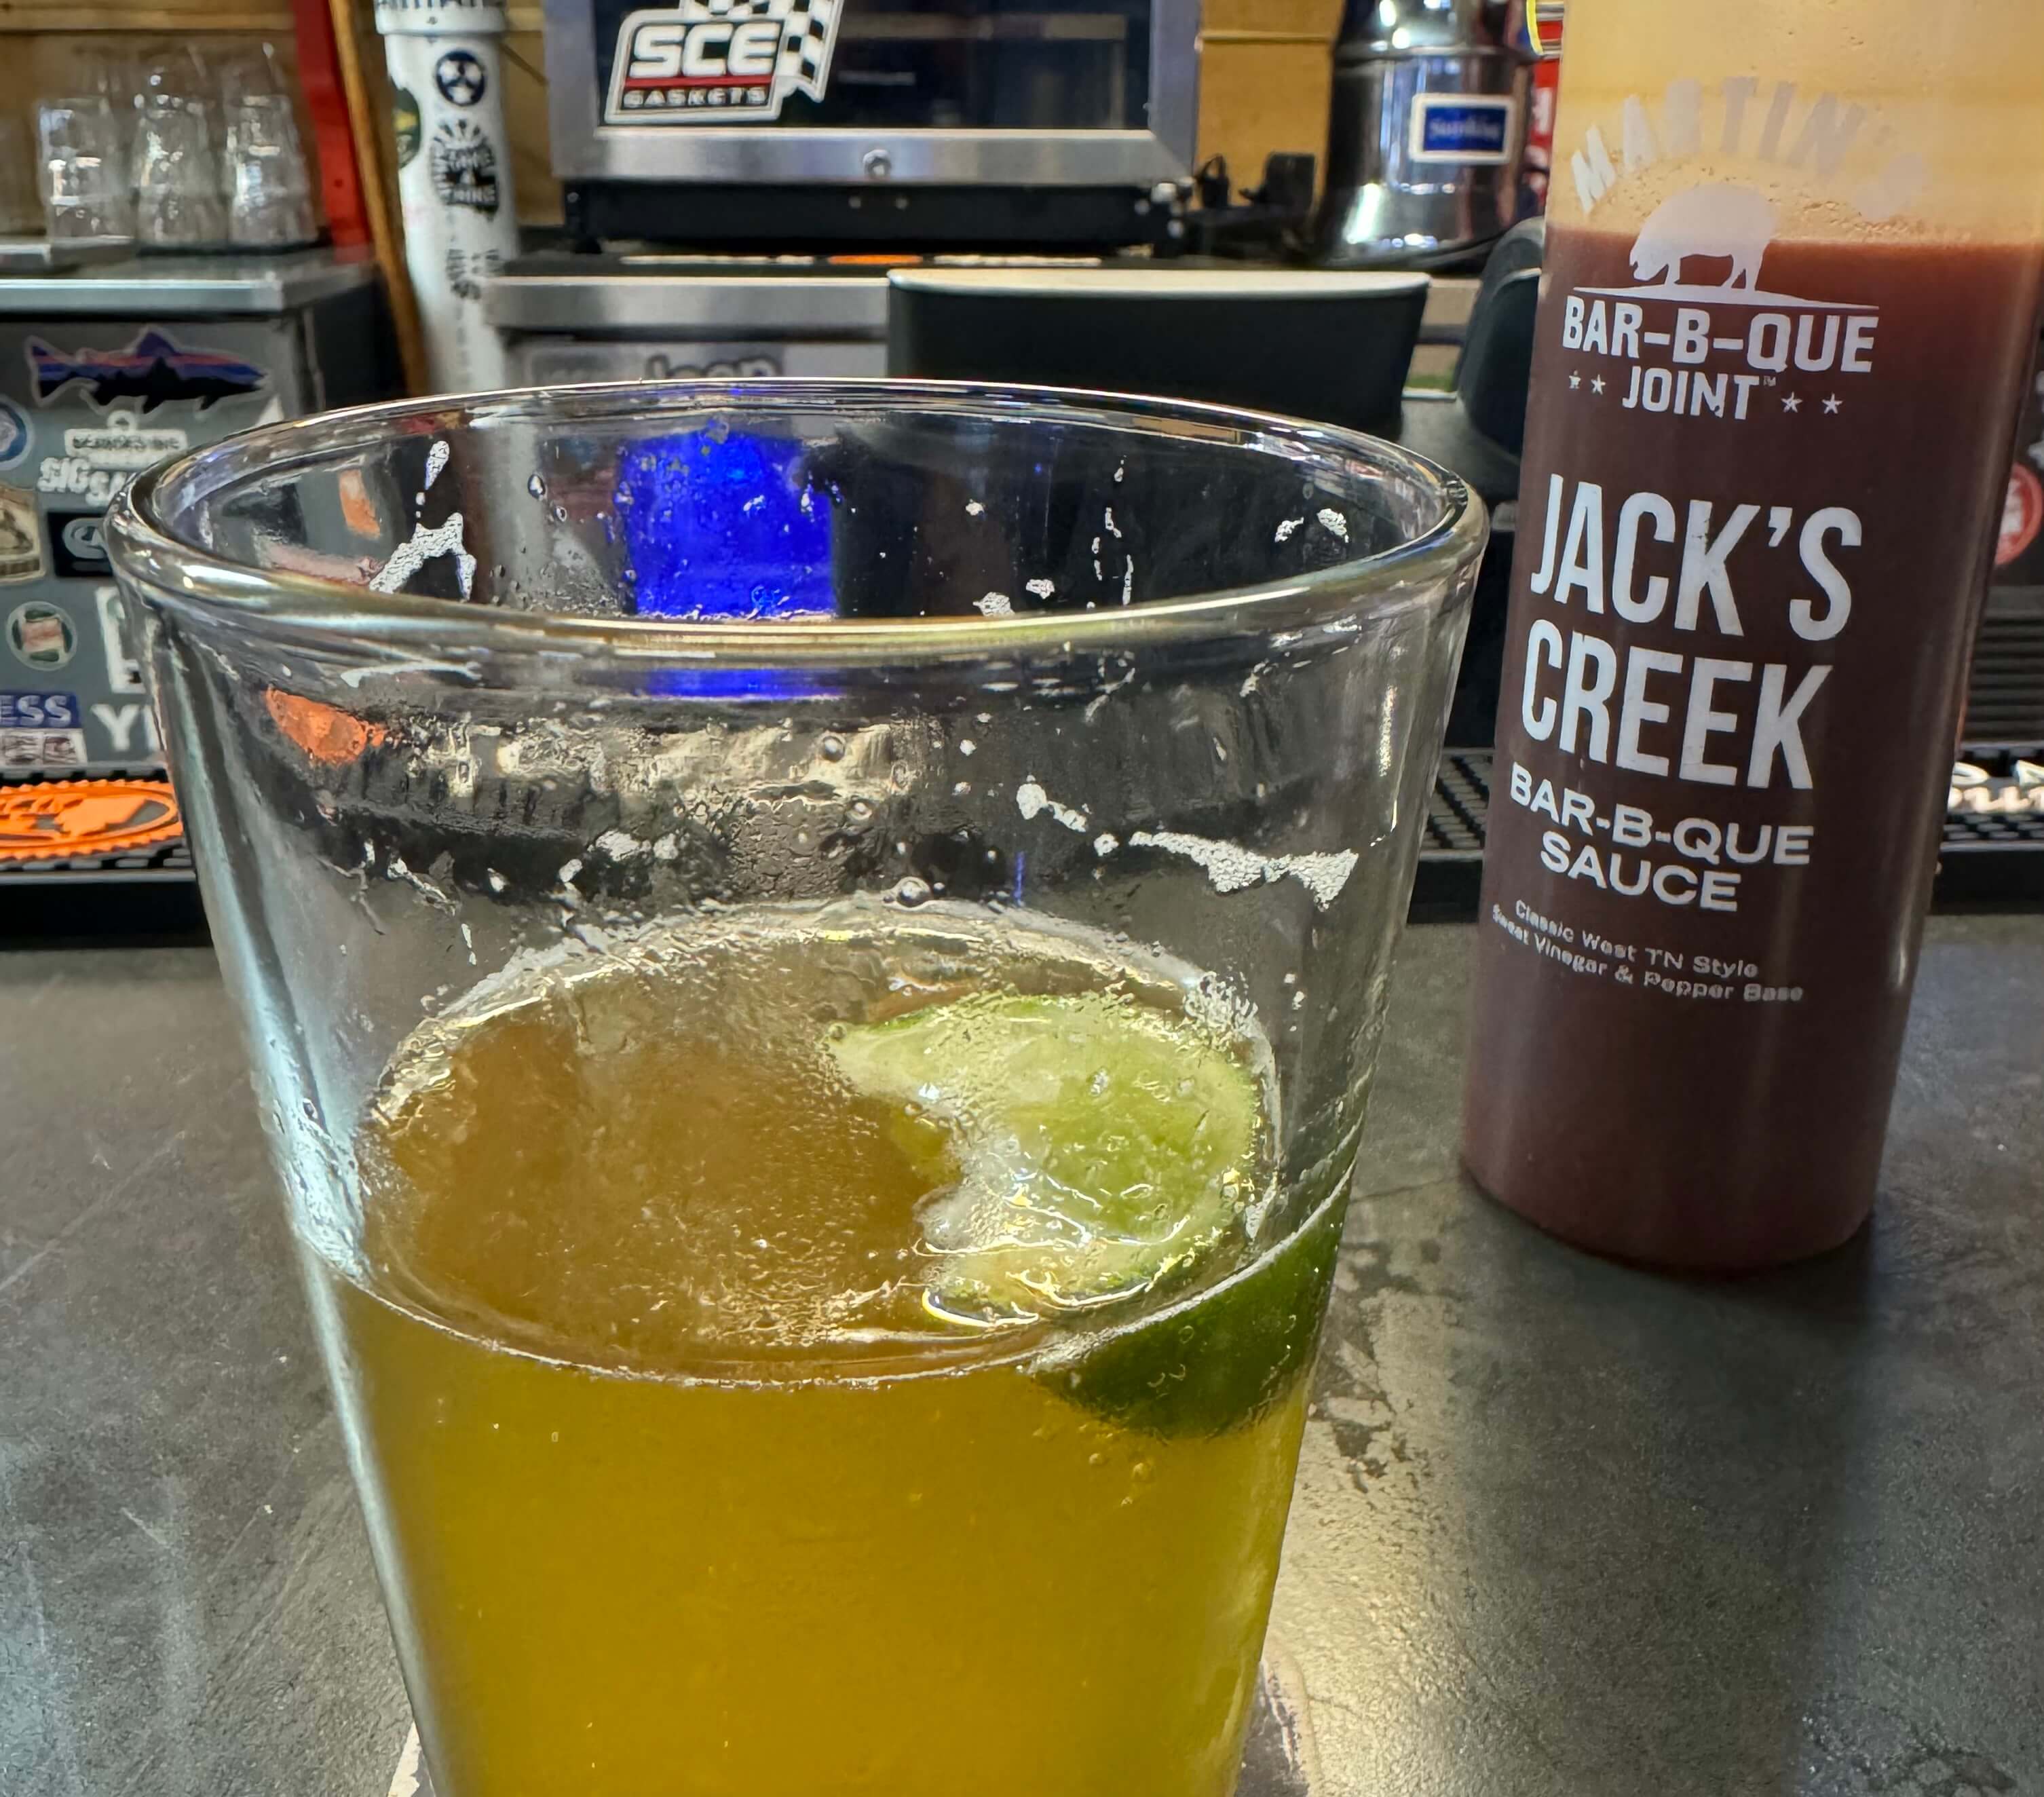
(177,155)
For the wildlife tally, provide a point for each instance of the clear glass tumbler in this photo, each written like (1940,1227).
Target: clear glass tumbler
(269,188)
(814,953)
(86,190)
(178,200)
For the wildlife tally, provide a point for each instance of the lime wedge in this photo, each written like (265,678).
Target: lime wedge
(1217,1358)
(1094,1146)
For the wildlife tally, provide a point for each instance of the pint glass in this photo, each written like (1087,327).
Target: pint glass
(813,955)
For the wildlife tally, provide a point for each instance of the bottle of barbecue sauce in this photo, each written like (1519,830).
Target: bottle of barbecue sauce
(1791,295)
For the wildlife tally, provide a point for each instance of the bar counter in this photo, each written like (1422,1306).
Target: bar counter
(1561,1527)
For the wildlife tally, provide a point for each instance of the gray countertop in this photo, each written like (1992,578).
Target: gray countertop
(1561,1527)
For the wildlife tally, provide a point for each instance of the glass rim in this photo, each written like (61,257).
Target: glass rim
(314,611)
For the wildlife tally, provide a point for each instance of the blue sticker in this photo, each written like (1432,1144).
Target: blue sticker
(39,711)
(1456,128)
(14,437)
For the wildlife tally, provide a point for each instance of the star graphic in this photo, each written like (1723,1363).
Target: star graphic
(1793,403)
(1575,380)
(1596,386)
(1834,404)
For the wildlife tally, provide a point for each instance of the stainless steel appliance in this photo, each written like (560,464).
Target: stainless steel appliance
(102,372)
(650,316)
(1428,131)
(978,122)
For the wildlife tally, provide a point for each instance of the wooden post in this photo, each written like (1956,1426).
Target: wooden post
(360,55)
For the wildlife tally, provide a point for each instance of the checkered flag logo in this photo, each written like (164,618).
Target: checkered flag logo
(808,33)
(651,55)
(806,40)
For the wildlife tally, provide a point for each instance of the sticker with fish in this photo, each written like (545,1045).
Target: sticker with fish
(154,369)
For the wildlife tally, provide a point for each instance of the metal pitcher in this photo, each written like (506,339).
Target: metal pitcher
(1428,129)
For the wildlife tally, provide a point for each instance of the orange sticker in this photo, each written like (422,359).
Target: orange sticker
(72,819)
(327,734)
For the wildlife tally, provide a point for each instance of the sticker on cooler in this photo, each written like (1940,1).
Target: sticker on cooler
(124,667)
(100,459)
(122,442)
(39,730)
(73,819)
(154,368)
(77,545)
(38,711)
(129,725)
(1456,128)
(15,434)
(39,634)
(20,537)
(706,61)
(131,730)
(23,751)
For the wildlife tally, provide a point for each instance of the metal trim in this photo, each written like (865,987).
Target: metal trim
(188,286)
(692,305)
(1174,80)
(1160,283)
(766,155)
(572,101)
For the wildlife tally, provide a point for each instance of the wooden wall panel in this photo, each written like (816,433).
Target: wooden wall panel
(176,18)
(1256,98)
(39,64)
(525,123)
(1315,19)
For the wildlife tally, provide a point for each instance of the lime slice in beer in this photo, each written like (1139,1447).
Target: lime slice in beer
(1217,1358)
(1088,1148)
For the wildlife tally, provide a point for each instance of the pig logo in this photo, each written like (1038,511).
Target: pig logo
(1715,223)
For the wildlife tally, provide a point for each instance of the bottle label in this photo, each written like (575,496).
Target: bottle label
(1766,453)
